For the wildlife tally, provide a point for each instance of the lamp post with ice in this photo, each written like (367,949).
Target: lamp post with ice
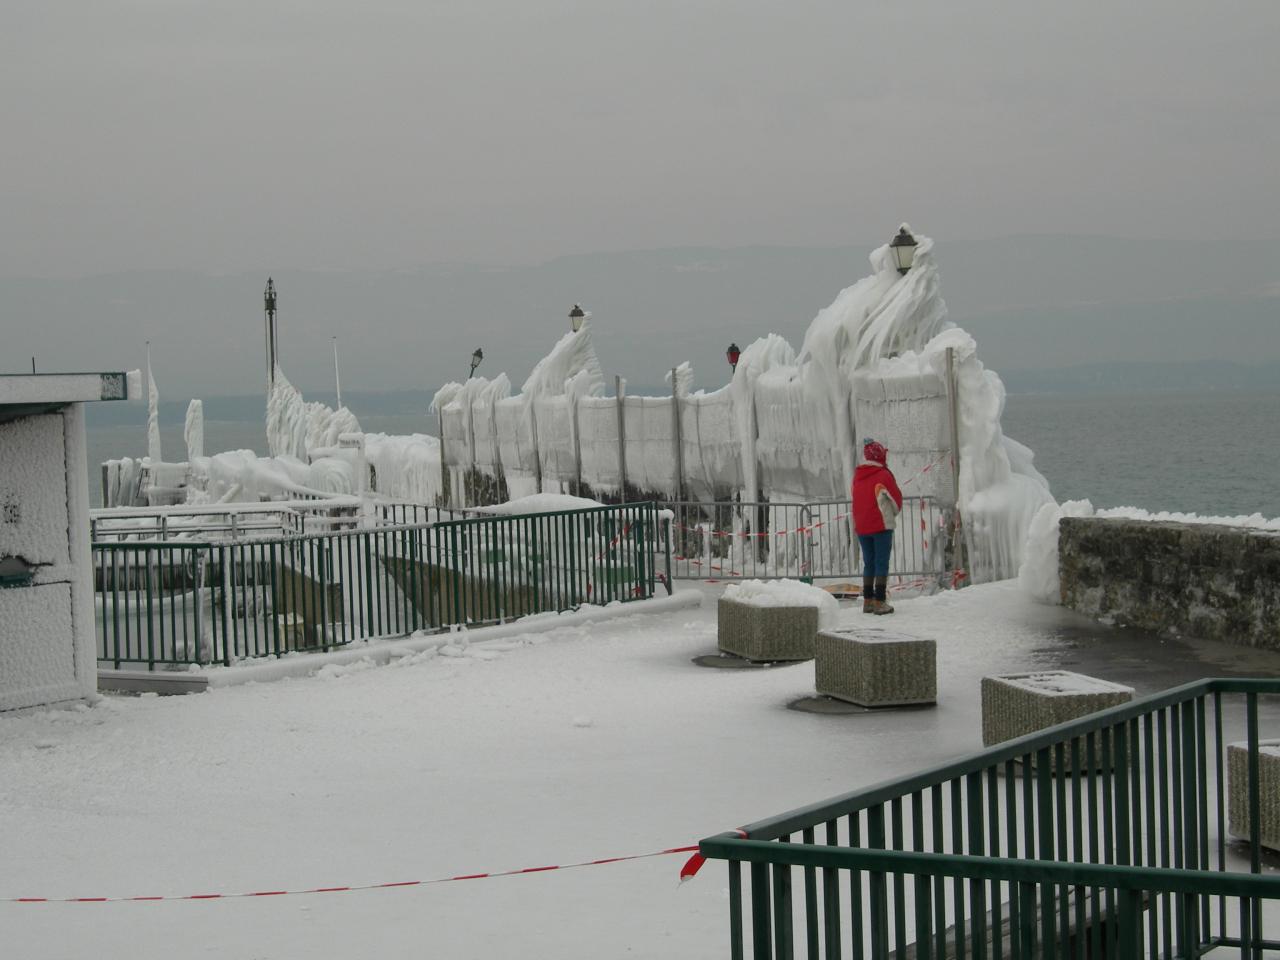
(732,355)
(475,362)
(903,248)
(576,316)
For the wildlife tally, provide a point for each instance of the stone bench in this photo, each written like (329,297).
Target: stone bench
(1020,704)
(765,633)
(875,667)
(1268,791)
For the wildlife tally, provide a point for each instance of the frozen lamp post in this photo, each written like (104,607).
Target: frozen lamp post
(732,355)
(576,316)
(475,362)
(903,248)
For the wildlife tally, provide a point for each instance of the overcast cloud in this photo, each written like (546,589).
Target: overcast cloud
(229,135)
(266,136)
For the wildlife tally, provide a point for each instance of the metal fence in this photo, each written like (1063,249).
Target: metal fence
(182,603)
(216,522)
(1103,837)
(734,541)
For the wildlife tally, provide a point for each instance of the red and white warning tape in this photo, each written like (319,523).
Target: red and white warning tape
(616,539)
(363,886)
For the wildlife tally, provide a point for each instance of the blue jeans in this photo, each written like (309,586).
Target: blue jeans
(876,548)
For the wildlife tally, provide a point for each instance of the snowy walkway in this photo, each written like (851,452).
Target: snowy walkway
(588,741)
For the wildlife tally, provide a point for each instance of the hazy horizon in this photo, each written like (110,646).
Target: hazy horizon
(422,179)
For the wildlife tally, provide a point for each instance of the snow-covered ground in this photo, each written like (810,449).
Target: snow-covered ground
(581,742)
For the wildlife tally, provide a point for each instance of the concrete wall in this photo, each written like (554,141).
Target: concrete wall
(1202,580)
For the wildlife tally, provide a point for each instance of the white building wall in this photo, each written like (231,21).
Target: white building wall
(47,638)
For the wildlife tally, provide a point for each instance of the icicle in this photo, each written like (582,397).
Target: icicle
(193,432)
(153,413)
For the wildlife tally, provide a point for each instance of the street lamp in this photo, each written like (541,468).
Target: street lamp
(903,248)
(269,307)
(475,362)
(732,355)
(576,316)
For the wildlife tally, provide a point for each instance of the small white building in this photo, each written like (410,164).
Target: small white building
(47,631)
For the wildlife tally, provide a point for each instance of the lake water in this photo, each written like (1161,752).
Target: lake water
(1211,453)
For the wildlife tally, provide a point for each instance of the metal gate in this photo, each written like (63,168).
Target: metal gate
(732,540)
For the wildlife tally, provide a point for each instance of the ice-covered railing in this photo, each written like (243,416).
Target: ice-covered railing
(786,428)
(880,360)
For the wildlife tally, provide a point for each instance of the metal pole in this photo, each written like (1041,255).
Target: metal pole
(676,433)
(266,327)
(622,437)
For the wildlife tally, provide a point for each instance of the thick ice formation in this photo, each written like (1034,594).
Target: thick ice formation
(294,426)
(880,360)
(574,354)
(786,428)
(153,415)
(193,431)
(1038,574)
(405,468)
(241,475)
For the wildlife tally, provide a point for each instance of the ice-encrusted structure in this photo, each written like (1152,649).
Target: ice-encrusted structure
(193,430)
(295,426)
(881,360)
(786,427)
(153,414)
(241,475)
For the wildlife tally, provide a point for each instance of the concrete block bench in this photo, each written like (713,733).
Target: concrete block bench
(765,632)
(1268,791)
(875,667)
(1019,704)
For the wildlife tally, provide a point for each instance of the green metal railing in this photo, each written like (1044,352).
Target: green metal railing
(1103,837)
(177,603)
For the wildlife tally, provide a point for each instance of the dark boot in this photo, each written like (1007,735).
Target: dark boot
(882,589)
(868,595)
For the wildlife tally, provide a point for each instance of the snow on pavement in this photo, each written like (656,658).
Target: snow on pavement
(586,741)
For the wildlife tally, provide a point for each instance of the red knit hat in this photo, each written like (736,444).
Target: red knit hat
(874,451)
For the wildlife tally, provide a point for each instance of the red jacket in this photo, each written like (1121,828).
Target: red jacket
(868,480)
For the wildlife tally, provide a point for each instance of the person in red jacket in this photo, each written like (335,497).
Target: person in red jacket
(876,504)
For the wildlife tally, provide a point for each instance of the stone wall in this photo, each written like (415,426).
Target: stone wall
(1196,579)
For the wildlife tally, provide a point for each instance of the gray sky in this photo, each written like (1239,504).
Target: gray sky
(230,135)
(316,140)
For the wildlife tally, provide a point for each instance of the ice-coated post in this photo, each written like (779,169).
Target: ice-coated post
(675,432)
(577,443)
(622,437)
(953,405)
(953,412)
(495,444)
(537,454)
(468,485)
(444,461)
